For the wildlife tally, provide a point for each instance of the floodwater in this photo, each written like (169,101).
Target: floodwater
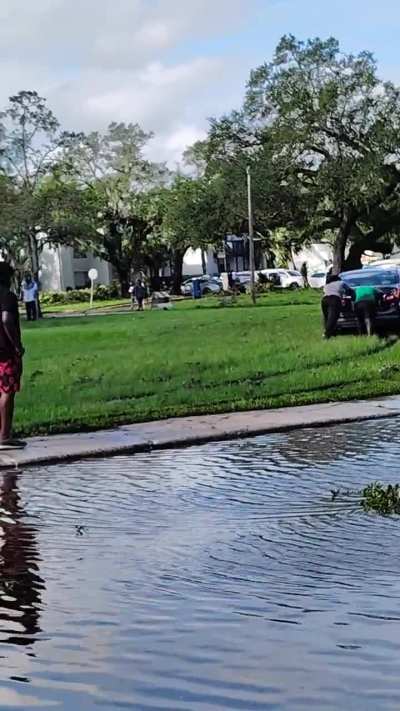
(216,577)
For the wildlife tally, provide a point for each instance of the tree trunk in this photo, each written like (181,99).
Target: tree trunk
(361,244)
(204,261)
(123,279)
(177,271)
(340,244)
(35,267)
(353,260)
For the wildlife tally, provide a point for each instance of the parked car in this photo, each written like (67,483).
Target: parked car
(387,282)
(284,278)
(242,280)
(208,285)
(317,280)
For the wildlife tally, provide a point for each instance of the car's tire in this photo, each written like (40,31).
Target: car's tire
(294,286)
(207,292)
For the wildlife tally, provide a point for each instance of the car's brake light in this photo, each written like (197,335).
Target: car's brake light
(394,294)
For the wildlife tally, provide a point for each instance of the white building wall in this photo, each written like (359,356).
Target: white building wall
(317,256)
(50,270)
(104,269)
(60,270)
(193,266)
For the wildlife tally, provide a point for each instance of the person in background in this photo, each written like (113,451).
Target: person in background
(11,354)
(366,299)
(131,291)
(331,304)
(139,293)
(304,274)
(29,291)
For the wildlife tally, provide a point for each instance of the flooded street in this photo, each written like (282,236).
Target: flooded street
(216,577)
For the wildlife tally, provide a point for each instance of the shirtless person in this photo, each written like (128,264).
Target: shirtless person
(11,353)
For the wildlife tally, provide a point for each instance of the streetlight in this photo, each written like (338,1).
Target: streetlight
(251,238)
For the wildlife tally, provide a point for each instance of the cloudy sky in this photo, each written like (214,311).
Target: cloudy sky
(168,64)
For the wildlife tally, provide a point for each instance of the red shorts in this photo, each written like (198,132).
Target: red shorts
(10,375)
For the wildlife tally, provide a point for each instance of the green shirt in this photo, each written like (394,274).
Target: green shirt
(365,293)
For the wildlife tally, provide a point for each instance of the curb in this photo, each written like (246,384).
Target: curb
(196,430)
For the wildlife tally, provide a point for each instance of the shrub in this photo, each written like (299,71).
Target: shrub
(75,296)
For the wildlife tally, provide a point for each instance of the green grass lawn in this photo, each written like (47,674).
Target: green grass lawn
(88,372)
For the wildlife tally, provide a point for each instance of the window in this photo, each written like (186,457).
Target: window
(376,277)
(81,280)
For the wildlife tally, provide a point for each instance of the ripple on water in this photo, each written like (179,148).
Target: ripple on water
(215,577)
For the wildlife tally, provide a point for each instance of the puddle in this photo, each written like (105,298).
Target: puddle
(215,577)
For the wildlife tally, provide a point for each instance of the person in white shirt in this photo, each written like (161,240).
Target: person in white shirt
(331,304)
(29,290)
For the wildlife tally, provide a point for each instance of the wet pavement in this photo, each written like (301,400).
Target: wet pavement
(184,431)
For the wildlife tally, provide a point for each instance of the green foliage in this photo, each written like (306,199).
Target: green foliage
(326,132)
(30,141)
(383,499)
(75,296)
(116,179)
(318,128)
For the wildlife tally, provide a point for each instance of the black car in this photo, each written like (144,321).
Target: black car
(387,281)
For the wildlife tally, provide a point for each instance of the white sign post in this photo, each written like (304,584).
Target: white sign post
(93,275)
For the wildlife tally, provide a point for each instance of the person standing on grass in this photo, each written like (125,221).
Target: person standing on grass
(331,304)
(140,293)
(366,299)
(11,354)
(29,297)
(304,274)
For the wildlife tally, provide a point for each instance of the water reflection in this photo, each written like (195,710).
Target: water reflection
(20,583)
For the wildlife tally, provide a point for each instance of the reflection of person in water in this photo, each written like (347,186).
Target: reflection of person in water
(20,584)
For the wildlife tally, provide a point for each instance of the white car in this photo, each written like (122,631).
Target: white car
(285,278)
(317,280)
(208,285)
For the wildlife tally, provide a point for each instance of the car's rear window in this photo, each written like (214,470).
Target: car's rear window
(295,274)
(377,277)
(318,275)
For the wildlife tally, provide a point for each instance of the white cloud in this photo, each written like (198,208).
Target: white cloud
(128,60)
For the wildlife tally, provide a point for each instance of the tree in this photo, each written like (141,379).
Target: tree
(113,168)
(335,129)
(12,242)
(188,217)
(234,143)
(30,140)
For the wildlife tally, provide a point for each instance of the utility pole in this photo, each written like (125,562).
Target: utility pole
(251,238)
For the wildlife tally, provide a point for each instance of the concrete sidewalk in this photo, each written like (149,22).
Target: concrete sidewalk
(186,431)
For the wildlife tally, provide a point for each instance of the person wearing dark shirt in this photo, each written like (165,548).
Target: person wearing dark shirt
(11,354)
(140,293)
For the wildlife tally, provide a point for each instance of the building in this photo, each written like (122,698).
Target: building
(63,268)
(318,257)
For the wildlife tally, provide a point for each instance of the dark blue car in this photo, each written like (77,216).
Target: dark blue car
(387,281)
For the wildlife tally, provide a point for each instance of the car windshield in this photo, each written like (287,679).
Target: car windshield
(295,274)
(319,275)
(377,277)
